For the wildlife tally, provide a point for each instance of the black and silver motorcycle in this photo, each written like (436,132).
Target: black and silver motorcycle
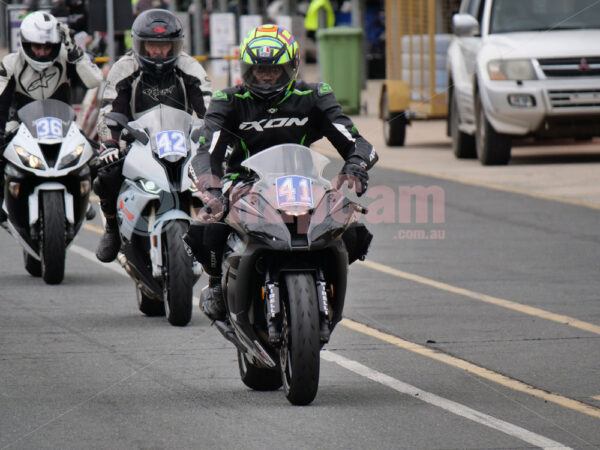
(290,239)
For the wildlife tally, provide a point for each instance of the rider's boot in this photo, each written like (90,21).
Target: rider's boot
(110,244)
(211,300)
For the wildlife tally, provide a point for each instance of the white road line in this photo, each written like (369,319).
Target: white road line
(440,402)
(114,266)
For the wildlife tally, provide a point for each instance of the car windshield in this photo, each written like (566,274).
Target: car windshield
(543,15)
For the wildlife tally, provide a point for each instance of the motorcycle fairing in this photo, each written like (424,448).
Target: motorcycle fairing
(75,150)
(162,221)
(131,202)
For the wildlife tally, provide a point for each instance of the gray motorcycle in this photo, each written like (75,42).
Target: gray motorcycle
(153,211)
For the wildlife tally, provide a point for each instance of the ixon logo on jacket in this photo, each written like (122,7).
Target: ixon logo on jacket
(278,122)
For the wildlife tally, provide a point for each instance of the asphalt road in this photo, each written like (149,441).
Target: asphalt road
(476,325)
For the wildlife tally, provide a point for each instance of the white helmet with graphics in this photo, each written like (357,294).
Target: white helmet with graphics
(40,40)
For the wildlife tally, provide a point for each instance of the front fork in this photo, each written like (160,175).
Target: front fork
(324,309)
(273,303)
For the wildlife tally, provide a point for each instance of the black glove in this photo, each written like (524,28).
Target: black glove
(216,204)
(109,152)
(195,136)
(74,52)
(355,174)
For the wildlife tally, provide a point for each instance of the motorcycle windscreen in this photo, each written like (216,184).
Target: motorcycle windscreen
(47,119)
(288,159)
(169,130)
(290,176)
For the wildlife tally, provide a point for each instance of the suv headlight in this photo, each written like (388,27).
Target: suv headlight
(514,70)
(29,160)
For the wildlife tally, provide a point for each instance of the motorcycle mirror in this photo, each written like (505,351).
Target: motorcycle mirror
(115,118)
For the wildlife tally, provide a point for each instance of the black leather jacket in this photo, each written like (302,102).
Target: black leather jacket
(132,92)
(306,113)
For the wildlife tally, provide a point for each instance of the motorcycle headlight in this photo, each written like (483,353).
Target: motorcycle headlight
(72,158)
(150,187)
(514,70)
(29,160)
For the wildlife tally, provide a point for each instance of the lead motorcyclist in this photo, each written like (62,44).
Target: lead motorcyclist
(270,107)
(44,67)
(155,72)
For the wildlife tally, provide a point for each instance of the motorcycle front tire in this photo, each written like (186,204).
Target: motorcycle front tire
(300,350)
(53,240)
(179,277)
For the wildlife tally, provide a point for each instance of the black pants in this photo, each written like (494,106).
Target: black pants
(107,185)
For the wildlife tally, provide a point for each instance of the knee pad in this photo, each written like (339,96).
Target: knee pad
(357,240)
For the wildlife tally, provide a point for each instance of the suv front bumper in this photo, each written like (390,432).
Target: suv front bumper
(544,108)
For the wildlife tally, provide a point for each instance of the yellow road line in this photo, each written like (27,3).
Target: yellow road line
(529,310)
(92,227)
(482,372)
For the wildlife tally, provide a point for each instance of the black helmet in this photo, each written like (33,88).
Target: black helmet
(156,26)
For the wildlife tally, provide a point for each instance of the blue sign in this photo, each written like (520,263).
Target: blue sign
(49,128)
(294,190)
(171,142)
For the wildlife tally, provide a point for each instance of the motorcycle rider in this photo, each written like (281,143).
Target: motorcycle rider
(270,107)
(155,72)
(44,67)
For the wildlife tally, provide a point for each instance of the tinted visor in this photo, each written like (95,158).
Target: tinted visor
(262,79)
(163,49)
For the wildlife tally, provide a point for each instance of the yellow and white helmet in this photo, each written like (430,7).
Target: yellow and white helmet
(269,45)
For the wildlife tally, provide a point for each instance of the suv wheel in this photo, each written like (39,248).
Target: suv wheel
(463,144)
(394,124)
(493,148)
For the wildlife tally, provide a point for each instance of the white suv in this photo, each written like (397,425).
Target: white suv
(522,68)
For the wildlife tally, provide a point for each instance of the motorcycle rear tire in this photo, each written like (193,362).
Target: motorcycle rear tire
(32,266)
(300,350)
(53,240)
(149,306)
(179,277)
(256,377)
